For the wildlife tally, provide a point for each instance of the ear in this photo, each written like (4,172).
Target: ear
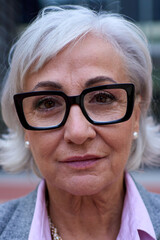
(137,113)
(26,135)
(26,142)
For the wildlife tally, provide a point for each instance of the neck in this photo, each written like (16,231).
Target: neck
(87,216)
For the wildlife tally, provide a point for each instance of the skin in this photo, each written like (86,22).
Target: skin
(84,202)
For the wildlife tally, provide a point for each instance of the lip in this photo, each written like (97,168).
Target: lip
(82,162)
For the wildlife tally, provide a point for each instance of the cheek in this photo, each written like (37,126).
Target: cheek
(43,146)
(119,140)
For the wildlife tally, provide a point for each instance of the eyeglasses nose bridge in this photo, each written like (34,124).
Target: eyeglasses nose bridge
(74,100)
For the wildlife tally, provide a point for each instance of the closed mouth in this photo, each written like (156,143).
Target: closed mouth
(81,162)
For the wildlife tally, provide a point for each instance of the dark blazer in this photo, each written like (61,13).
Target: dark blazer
(16,215)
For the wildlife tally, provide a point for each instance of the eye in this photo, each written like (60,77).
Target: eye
(47,103)
(103,98)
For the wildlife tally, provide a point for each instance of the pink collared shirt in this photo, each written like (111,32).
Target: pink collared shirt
(135,222)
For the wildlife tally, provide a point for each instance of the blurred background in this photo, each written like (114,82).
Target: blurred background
(15,15)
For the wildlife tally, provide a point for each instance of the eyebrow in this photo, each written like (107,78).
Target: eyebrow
(48,84)
(99,79)
(58,86)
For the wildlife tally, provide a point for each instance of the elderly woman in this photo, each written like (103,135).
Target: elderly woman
(80,84)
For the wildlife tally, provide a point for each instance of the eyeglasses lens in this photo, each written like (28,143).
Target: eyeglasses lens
(44,110)
(106,105)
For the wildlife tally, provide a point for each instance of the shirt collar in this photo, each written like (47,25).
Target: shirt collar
(40,229)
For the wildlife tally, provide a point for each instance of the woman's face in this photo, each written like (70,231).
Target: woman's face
(81,158)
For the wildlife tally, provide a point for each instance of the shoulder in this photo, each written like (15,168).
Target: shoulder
(151,200)
(152,203)
(16,217)
(6,211)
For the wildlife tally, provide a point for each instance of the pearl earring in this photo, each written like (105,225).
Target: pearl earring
(135,135)
(27,144)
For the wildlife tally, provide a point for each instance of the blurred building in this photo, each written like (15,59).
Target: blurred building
(15,13)
(9,12)
(8,21)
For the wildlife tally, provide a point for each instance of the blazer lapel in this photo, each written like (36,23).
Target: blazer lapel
(19,224)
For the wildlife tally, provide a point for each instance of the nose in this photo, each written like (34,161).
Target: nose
(77,128)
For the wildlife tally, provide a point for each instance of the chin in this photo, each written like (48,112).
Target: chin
(84,187)
(82,192)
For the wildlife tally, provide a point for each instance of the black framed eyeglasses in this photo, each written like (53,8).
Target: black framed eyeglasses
(101,105)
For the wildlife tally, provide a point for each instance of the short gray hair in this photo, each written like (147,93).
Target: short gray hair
(54,28)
